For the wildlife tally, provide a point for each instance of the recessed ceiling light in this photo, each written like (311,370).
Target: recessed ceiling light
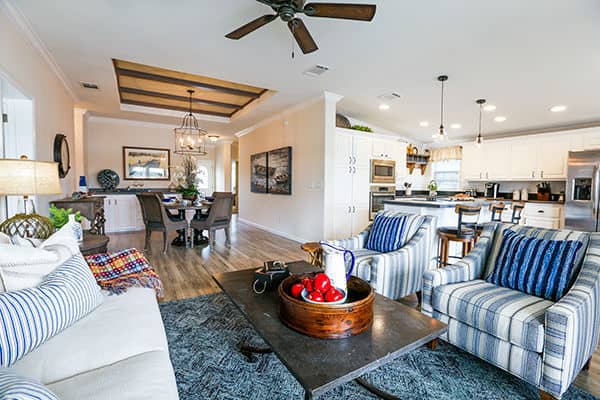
(456,126)
(559,108)
(384,107)
(424,124)
(490,107)
(500,118)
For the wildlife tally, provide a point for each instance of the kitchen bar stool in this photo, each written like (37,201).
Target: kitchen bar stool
(517,209)
(497,209)
(465,233)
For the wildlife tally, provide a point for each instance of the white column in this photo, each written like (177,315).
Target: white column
(79,118)
(223,165)
(331,100)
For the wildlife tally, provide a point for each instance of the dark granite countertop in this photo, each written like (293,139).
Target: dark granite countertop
(444,202)
(98,191)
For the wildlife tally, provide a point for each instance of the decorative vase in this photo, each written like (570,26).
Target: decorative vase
(77,229)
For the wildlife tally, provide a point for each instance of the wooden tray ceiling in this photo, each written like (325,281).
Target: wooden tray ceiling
(147,86)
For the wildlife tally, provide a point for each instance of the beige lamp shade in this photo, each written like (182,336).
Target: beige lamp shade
(28,177)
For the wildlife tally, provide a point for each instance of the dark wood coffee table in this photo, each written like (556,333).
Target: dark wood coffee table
(320,365)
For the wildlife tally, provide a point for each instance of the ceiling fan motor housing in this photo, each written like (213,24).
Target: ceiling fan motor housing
(286,13)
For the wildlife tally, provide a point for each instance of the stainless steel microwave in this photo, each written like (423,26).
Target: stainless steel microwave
(383,171)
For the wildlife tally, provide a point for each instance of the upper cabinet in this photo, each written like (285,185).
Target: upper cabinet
(552,157)
(487,162)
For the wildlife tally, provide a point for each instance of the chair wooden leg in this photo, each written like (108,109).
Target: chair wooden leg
(165,242)
(228,236)
(147,241)
(587,365)
(444,252)
(433,344)
(419,297)
(211,237)
(546,396)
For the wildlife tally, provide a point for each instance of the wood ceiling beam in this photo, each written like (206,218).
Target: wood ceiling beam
(175,108)
(181,98)
(185,82)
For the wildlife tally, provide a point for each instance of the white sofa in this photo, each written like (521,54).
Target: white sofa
(119,351)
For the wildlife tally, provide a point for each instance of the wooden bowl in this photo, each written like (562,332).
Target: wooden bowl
(328,321)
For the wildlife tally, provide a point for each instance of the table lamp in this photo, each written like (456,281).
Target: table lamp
(25,178)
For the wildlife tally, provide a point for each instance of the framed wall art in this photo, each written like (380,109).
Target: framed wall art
(143,163)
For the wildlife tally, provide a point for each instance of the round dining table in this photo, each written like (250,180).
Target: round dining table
(189,210)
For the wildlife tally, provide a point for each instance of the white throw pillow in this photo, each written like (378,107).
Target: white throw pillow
(4,238)
(23,266)
(15,387)
(32,316)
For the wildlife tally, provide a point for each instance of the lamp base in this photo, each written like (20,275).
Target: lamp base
(28,226)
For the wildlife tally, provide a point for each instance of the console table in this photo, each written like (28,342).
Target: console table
(90,207)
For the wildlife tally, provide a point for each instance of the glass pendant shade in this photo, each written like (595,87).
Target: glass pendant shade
(190,140)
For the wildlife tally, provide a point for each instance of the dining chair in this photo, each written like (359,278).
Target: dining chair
(156,218)
(219,217)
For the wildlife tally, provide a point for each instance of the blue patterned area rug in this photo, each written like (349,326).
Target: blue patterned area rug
(204,334)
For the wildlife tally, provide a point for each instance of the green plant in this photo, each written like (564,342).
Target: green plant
(60,216)
(433,186)
(188,191)
(361,128)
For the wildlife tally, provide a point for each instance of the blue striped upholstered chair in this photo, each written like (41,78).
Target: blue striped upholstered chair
(398,273)
(543,342)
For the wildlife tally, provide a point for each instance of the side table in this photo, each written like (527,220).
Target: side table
(93,244)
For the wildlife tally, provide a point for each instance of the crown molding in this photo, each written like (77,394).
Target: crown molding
(37,43)
(323,96)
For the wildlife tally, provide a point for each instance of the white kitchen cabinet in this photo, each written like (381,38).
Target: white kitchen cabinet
(122,213)
(471,169)
(495,155)
(591,141)
(523,160)
(552,156)
(540,215)
(382,149)
(399,155)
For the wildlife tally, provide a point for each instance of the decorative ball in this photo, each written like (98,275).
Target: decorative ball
(108,179)
(28,226)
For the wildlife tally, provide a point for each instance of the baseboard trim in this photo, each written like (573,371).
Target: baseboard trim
(273,231)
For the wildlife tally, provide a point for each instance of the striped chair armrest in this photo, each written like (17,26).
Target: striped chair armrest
(572,326)
(354,243)
(467,269)
(400,273)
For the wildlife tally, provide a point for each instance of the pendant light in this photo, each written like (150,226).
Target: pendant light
(479,139)
(441,134)
(189,138)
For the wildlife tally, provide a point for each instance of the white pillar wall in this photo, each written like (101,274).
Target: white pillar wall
(79,115)
(223,166)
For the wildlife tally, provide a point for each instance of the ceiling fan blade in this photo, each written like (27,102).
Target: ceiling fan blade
(250,27)
(302,36)
(359,12)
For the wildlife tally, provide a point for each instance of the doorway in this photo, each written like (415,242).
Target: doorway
(205,179)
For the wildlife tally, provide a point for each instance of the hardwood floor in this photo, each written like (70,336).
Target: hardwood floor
(187,272)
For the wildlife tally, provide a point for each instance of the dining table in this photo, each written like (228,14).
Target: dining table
(189,210)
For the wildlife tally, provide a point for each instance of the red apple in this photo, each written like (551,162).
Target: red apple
(322,283)
(316,296)
(296,290)
(308,284)
(333,295)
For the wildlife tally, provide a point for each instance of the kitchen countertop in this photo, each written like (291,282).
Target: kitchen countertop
(98,191)
(444,202)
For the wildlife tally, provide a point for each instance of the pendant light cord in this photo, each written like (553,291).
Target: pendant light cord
(480,116)
(442,108)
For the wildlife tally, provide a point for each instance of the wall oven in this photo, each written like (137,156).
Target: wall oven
(379,194)
(383,171)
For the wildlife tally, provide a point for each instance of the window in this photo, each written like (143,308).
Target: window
(447,174)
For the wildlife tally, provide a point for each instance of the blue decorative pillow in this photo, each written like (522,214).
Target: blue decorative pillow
(540,267)
(29,317)
(386,233)
(14,387)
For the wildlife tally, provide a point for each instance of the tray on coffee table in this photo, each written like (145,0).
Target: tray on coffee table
(396,330)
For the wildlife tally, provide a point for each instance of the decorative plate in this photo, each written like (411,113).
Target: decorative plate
(108,179)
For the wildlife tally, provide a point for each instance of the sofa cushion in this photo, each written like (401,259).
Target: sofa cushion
(29,317)
(386,233)
(507,314)
(122,326)
(362,263)
(147,376)
(15,387)
(540,233)
(540,267)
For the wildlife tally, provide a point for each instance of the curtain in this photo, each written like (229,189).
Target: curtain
(445,153)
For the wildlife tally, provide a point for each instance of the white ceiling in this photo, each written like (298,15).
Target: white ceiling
(523,56)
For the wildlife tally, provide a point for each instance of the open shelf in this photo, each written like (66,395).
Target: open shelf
(417,160)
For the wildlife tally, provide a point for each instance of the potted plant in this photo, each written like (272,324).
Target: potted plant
(185,178)
(433,187)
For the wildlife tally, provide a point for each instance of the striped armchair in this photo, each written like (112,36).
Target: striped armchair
(542,342)
(398,273)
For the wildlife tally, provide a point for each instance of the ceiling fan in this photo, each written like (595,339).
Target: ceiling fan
(287,10)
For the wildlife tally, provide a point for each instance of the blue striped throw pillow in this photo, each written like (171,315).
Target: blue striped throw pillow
(386,233)
(540,267)
(15,387)
(29,317)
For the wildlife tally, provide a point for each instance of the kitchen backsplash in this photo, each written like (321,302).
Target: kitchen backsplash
(508,187)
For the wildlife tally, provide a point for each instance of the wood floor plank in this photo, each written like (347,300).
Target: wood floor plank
(187,272)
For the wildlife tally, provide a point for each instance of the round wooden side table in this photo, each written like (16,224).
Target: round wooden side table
(93,244)
(315,253)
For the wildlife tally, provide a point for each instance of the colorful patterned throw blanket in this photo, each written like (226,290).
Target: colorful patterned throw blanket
(117,272)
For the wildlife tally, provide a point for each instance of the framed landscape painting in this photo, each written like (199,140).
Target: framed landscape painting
(279,162)
(258,173)
(142,163)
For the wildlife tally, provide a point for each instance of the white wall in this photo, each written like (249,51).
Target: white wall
(23,65)
(105,138)
(223,166)
(299,216)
